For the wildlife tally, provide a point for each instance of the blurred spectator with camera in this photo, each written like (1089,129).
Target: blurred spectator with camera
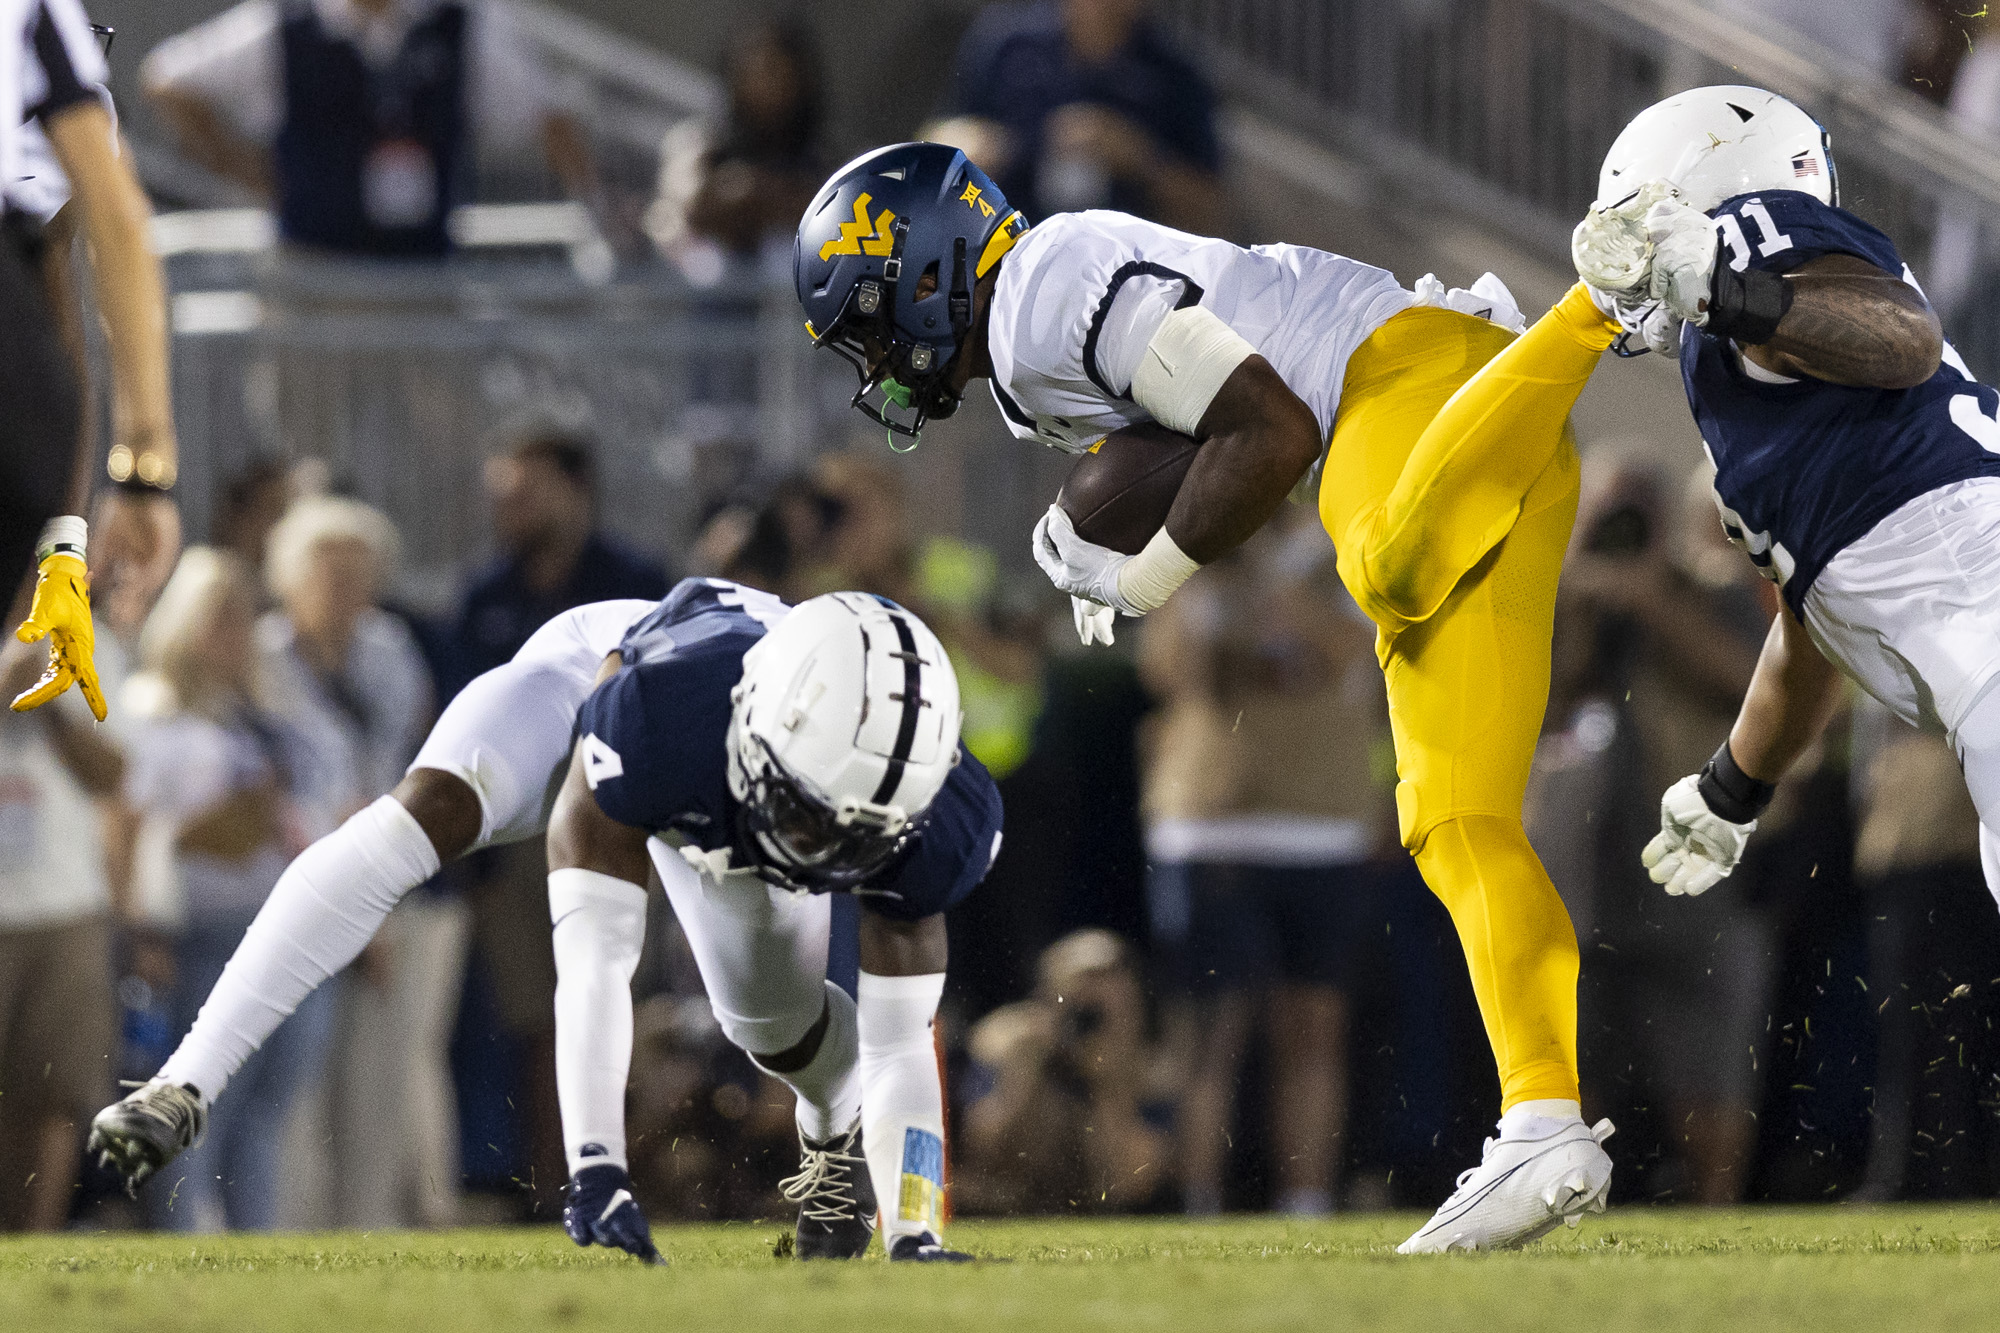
(1263,816)
(365,122)
(1075,104)
(226,793)
(349,675)
(733,192)
(58,1032)
(1659,625)
(1064,1114)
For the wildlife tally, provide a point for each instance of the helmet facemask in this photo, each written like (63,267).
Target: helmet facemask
(803,841)
(910,375)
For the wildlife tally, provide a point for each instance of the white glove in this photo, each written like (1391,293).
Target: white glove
(1079,568)
(1093,622)
(1684,242)
(1695,848)
(1611,247)
(1659,328)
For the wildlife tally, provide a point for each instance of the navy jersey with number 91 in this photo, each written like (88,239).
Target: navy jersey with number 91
(1804,467)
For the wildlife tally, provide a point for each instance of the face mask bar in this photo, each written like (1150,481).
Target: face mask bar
(801,840)
(907,378)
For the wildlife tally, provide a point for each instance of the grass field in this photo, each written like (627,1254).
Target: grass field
(1824,1269)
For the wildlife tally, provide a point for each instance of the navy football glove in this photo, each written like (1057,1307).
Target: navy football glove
(599,1210)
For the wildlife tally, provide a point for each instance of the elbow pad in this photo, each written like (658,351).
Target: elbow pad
(1184,367)
(1748,306)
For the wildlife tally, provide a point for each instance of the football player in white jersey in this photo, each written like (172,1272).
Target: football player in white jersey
(1447,478)
(1858,460)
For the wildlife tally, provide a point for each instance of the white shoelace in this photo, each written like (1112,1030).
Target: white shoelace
(823,1188)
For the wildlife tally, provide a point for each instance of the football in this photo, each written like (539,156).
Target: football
(1118,496)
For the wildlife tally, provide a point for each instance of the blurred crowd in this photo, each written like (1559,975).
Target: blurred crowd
(1202,975)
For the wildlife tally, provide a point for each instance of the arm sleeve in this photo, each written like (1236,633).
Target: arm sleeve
(66,68)
(1136,302)
(1780,230)
(598,924)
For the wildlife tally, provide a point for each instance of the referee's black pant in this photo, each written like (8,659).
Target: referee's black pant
(40,413)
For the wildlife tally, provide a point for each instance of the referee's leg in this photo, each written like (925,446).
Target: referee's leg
(40,415)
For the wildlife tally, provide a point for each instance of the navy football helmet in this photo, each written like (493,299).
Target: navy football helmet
(876,230)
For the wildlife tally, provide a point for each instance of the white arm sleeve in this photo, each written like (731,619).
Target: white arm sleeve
(600,925)
(1185,365)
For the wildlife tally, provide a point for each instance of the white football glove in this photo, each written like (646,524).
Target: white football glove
(1078,567)
(1093,622)
(1684,242)
(1612,248)
(1695,848)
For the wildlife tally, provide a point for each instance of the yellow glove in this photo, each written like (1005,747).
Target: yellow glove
(61,613)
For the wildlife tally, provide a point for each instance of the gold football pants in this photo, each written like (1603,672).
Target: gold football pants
(1449,491)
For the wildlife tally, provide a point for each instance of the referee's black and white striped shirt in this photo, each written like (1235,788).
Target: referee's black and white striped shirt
(59,66)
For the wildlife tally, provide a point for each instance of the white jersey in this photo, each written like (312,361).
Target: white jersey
(56,64)
(1081,295)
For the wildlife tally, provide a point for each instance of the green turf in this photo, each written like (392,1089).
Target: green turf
(1823,1269)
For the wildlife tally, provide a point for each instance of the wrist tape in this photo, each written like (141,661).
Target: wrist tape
(1150,577)
(65,534)
(1747,306)
(1731,793)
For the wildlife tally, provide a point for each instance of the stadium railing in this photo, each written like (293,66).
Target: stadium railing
(400,376)
(1503,109)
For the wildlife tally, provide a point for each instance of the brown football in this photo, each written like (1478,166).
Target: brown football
(1119,496)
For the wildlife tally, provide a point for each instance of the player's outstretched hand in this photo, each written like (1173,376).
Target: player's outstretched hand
(1078,567)
(599,1210)
(1695,848)
(61,614)
(1611,247)
(1684,242)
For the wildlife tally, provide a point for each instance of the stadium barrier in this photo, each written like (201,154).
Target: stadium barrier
(1503,109)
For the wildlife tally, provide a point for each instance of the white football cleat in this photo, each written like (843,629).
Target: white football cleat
(1521,1190)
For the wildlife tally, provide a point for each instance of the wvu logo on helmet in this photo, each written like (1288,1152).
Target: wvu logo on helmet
(862,237)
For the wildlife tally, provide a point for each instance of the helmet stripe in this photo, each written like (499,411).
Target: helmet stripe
(913,699)
(1000,242)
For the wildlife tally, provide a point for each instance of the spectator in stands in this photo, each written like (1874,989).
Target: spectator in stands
(1086,104)
(552,557)
(251,502)
(228,793)
(1658,629)
(361,120)
(1064,1118)
(350,675)
(1259,848)
(57,1030)
(729,191)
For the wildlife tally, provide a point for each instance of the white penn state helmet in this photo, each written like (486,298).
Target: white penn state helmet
(1713,144)
(844,727)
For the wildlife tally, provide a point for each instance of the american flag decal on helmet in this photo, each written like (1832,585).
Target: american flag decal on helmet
(1805,164)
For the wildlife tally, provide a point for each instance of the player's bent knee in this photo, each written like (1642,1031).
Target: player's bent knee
(445,807)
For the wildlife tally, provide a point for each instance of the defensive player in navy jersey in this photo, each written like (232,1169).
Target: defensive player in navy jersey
(760,756)
(1857,460)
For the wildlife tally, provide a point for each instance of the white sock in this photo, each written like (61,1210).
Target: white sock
(829,1086)
(325,907)
(902,1102)
(1535,1119)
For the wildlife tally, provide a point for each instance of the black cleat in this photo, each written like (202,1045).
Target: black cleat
(924,1248)
(835,1197)
(152,1125)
